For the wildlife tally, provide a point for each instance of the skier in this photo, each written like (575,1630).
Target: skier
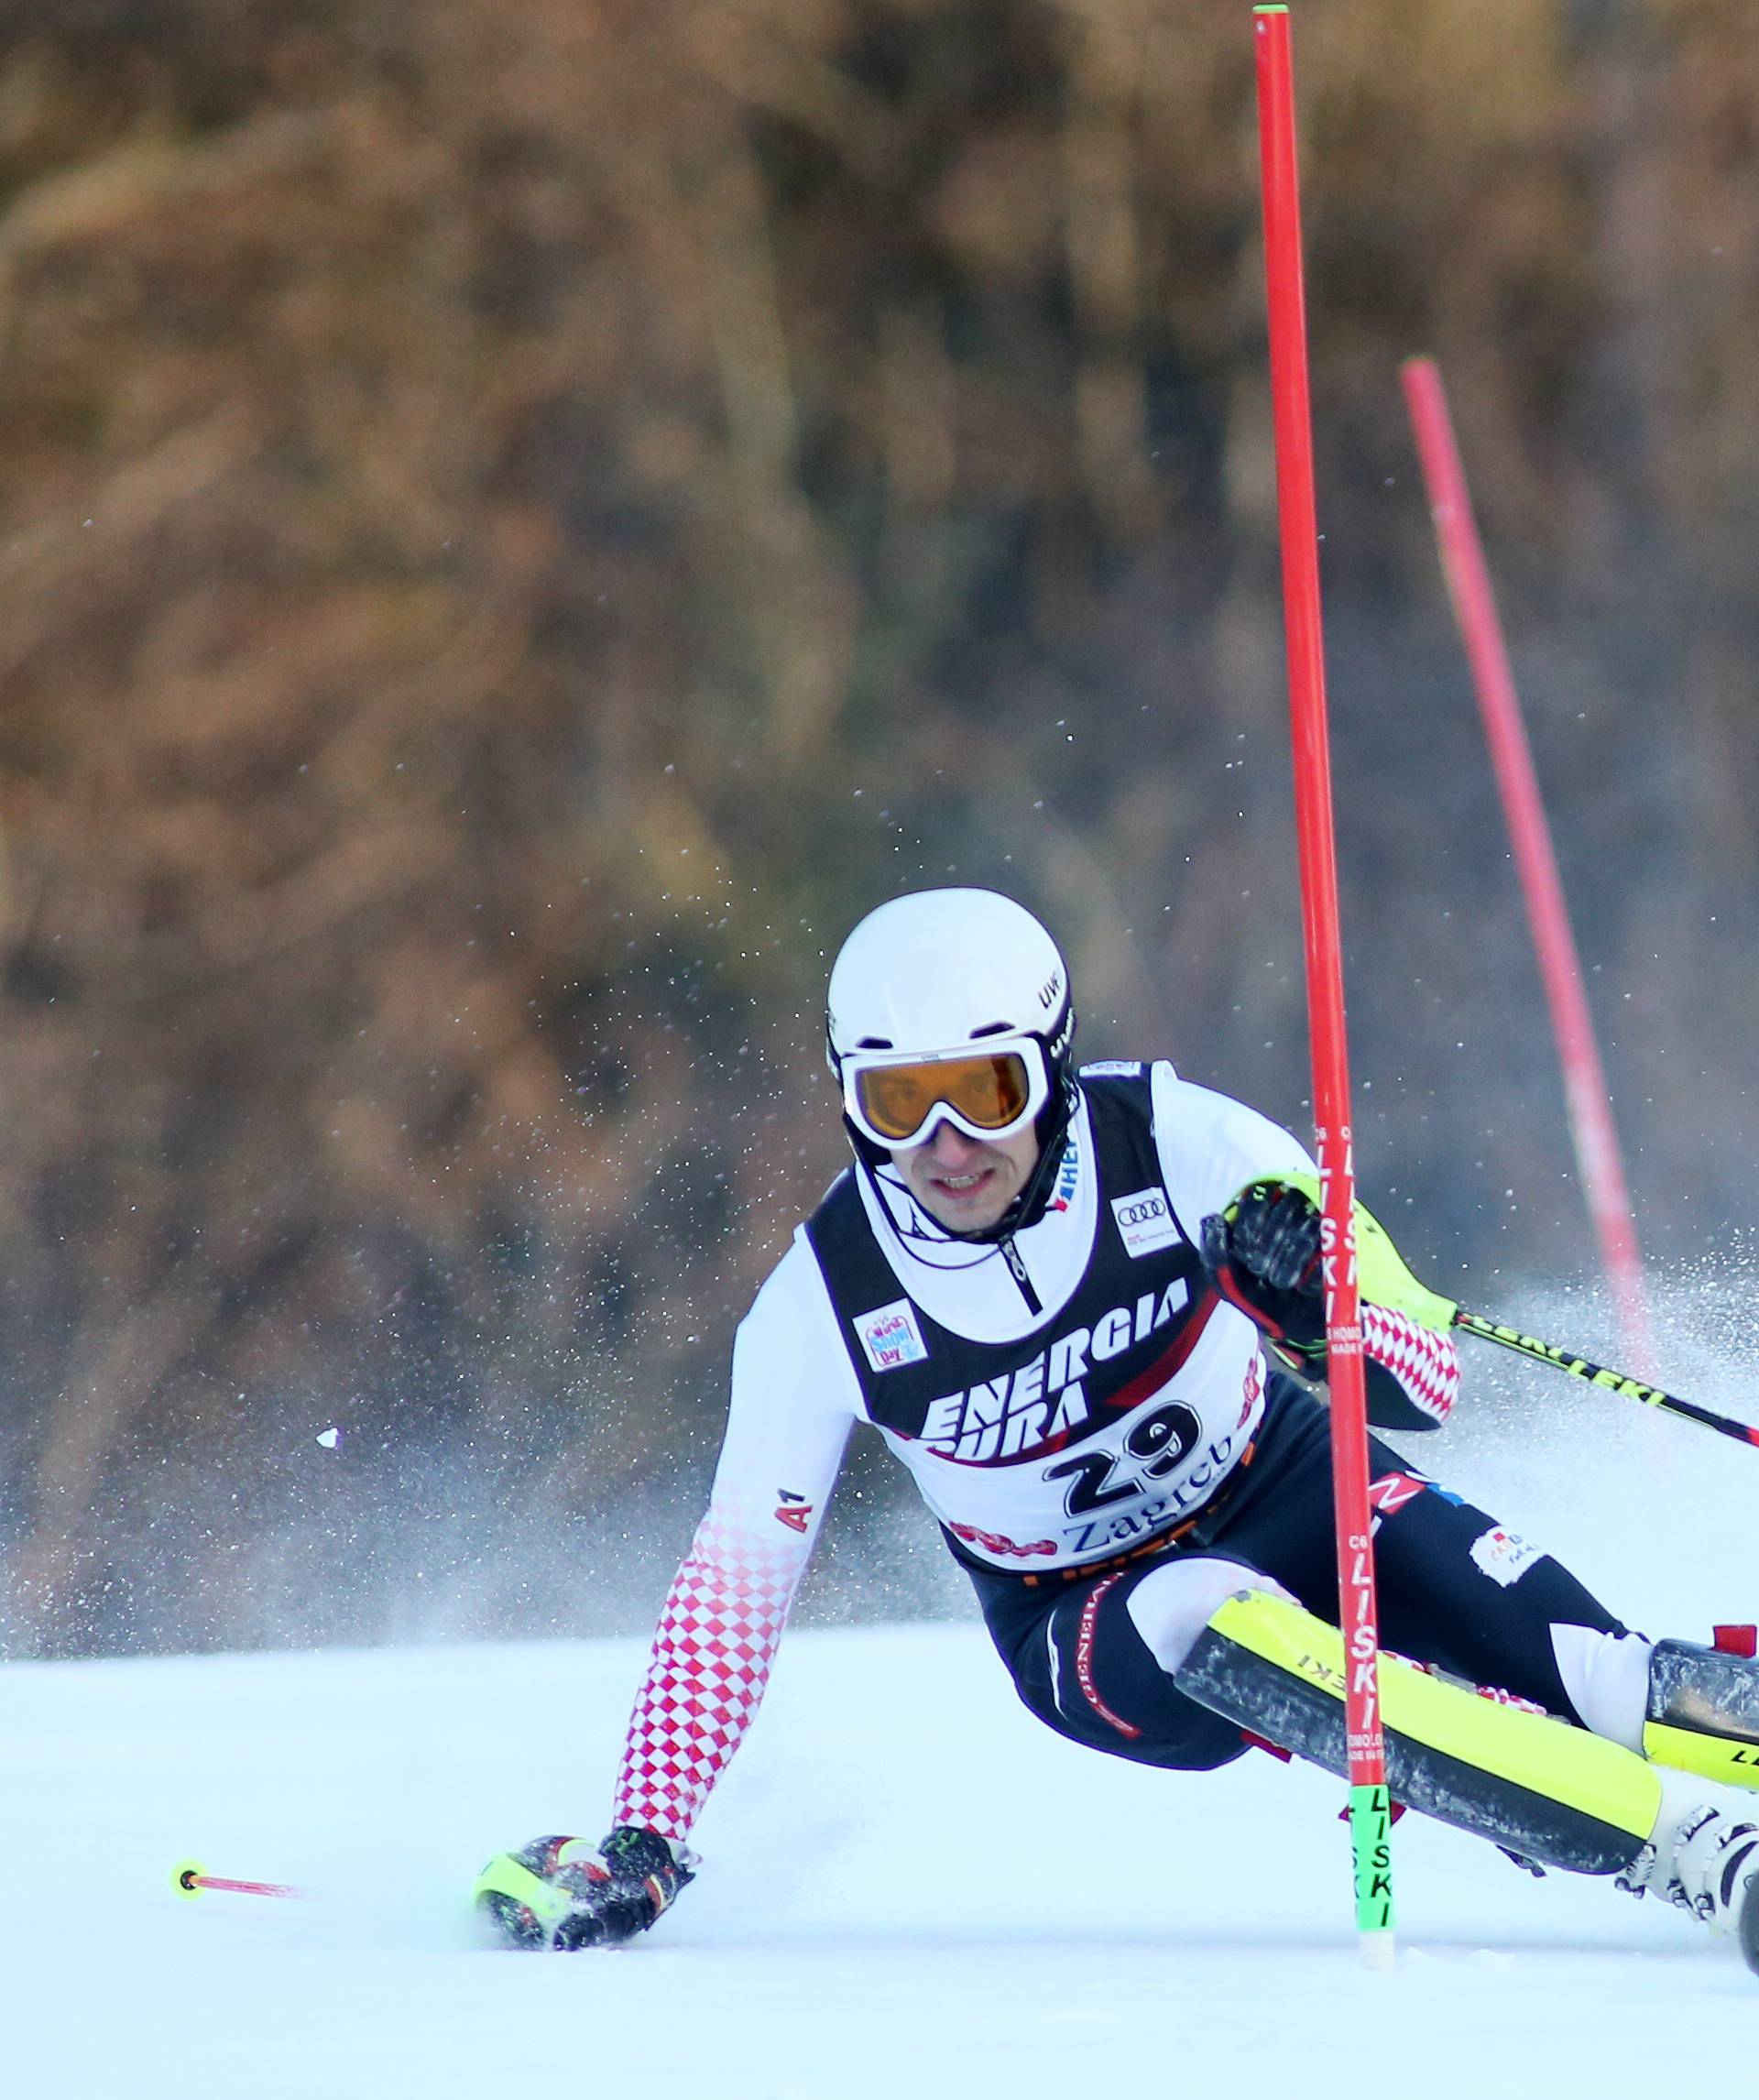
(1050,1293)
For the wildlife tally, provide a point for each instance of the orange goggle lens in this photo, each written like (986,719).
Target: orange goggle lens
(896,1101)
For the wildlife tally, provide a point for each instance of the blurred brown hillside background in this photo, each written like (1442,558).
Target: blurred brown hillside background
(521,519)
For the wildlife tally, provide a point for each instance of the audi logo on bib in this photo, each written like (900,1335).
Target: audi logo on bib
(1145,1221)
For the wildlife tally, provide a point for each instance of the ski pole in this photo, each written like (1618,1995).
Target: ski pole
(1593,1374)
(190,1878)
(1387,1282)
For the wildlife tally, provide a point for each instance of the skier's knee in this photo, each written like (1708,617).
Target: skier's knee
(1172,1605)
(1606,1676)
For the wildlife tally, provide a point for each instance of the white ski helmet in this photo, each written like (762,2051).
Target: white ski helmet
(958,979)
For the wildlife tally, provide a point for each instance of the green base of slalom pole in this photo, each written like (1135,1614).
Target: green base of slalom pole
(1370,1838)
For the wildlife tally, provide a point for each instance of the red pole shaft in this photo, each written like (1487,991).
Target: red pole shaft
(1359,1610)
(1468,576)
(240,1887)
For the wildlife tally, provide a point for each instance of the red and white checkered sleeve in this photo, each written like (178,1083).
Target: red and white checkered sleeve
(1423,1363)
(717,1636)
(794,1398)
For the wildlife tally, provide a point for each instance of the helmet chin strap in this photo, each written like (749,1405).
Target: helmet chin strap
(1034,1198)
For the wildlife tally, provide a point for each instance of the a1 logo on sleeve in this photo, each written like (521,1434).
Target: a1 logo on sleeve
(1145,1221)
(891,1337)
(793,1510)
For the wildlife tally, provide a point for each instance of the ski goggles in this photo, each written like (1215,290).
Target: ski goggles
(988,1094)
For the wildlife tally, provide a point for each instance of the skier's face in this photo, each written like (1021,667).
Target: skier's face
(966,1183)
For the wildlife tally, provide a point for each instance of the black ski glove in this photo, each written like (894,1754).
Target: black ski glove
(1262,1255)
(567,1893)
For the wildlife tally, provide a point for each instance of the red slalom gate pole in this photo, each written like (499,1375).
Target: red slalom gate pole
(1369,1809)
(1468,576)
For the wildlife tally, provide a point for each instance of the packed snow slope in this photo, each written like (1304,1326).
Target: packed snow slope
(910,1887)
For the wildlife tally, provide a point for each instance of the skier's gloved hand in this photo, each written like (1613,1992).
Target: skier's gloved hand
(1262,1255)
(567,1893)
